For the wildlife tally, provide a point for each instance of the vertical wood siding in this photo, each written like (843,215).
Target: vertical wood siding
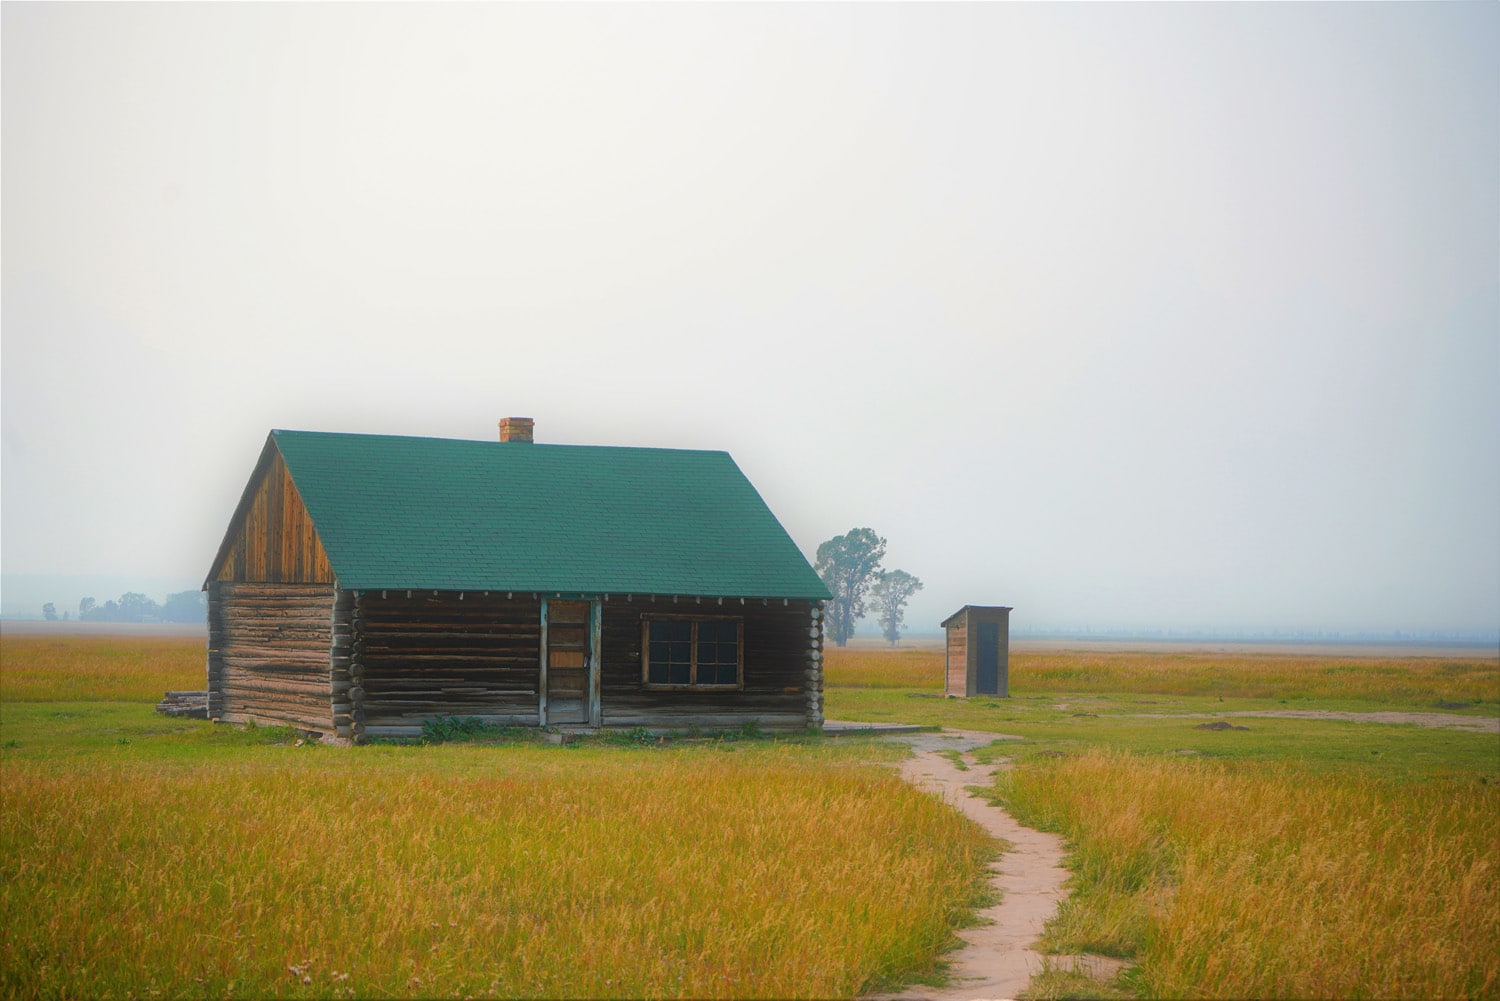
(273,538)
(271,653)
(438,654)
(216,641)
(957,682)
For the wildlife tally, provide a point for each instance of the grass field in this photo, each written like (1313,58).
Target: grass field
(98,668)
(1283,858)
(1266,679)
(145,856)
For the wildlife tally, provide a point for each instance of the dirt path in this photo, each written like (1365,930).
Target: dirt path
(997,960)
(1448,721)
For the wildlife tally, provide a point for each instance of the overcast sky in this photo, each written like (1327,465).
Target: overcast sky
(1128,316)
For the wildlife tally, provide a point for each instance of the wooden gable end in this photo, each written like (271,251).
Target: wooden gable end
(272,537)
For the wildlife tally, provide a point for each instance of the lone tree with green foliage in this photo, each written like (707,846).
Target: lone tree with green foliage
(889,594)
(849,564)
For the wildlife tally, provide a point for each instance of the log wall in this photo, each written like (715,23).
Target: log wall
(380,664)
(782,687)
(269,654)
(419,655)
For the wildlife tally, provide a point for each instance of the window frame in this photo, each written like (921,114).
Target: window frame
(693,685)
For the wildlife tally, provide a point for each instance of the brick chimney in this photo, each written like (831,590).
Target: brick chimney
(516,429)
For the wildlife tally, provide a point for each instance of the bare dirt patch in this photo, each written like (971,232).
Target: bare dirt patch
(1449,721)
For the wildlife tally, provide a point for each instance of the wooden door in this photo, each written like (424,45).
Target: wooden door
(987,658)
(569,659)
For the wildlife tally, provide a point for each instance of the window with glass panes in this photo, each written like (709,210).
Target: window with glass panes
(700,653)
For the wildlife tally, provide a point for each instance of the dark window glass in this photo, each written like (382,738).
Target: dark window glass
(684,652)
(672,629)
(671,653)
(718,653)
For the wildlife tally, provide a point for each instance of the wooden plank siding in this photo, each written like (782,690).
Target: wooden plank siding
(269,654)
(447,653)
(273,539)
(977,651)
(957,680)
(782,680)
(216,640)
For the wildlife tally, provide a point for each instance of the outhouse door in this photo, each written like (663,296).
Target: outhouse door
(570,661)
(987,658)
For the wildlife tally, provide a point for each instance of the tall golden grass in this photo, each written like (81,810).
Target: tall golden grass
(1404,680)
(768,871)
(1253,881)
(98,668)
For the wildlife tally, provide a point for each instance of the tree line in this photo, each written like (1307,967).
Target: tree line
(132,606)
(850,566)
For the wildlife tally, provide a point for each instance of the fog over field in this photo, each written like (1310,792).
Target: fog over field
(1133,317)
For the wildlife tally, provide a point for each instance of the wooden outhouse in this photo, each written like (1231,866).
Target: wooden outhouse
(368,584)
(978,651)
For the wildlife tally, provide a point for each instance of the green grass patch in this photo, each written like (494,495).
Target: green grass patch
(1398,751)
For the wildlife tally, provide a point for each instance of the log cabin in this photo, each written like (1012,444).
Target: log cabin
(370,583)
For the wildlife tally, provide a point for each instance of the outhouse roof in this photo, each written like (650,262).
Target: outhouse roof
(445,514)
(973,608)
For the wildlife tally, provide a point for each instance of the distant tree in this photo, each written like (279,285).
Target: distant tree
(107,612)
(86,609)
(889,594)
(136,607)
(848,564)
(65,615)
(49,612)
(184,606)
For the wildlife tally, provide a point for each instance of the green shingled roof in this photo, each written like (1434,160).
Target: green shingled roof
(471,515)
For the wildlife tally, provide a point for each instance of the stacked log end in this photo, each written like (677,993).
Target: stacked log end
(340,659)
(814,671)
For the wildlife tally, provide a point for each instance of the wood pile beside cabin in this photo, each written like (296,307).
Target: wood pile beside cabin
(193,705)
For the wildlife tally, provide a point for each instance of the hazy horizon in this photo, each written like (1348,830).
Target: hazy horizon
(34,590)
(1128,316)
